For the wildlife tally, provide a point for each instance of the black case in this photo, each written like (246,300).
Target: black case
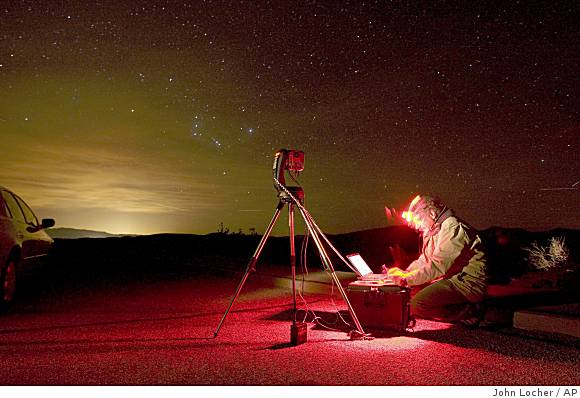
(380,306)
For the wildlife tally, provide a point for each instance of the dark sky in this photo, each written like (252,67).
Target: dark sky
(162,116)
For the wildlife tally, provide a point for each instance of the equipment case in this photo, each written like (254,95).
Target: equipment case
(380,306)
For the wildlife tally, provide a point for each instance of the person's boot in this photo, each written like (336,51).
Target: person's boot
(474,316)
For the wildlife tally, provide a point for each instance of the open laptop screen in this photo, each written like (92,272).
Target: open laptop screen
(359,264)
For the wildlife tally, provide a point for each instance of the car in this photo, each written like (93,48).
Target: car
(23,242)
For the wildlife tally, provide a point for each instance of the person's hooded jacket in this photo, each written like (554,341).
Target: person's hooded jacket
(453,250)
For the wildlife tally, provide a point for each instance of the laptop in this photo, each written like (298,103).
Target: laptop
(363,271)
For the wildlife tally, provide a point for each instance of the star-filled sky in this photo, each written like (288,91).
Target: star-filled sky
(163,116)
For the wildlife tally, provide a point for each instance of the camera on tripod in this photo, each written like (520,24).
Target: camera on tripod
(292,161)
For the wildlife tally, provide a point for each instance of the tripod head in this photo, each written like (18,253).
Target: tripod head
(292,161)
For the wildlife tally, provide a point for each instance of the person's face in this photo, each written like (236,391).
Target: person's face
(426,218)
(421,220)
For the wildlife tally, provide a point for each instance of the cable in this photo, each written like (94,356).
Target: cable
(309,219)
(336,308)
(304,267)
(294,178)
(328,241)
(316,232)
(315,318)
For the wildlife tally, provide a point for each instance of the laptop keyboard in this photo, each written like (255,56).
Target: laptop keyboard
(374,277)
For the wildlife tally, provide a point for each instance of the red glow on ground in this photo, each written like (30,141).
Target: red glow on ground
(408,342)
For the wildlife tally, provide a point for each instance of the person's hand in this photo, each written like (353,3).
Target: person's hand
(398,276)
(395,271)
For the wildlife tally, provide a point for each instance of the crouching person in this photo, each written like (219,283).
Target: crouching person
(449,278)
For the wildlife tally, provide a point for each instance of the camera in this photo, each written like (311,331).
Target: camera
(287,159)
(295,160)
(292,161)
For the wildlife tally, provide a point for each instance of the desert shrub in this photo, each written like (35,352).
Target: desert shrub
(553,255)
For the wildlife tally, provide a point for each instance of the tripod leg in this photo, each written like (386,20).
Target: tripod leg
(292,259)
(330,270)
(298,330)
(251,264)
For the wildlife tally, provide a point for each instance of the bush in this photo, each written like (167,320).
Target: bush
(554,254)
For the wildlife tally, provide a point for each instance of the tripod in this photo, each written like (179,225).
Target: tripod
(289,195)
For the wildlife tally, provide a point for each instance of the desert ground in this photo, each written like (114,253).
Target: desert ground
(123,316)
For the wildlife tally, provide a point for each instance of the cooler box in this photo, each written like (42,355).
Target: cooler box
(380,306)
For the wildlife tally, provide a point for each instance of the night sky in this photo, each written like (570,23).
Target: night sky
(162,116)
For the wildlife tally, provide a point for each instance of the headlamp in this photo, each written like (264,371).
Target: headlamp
(411,216)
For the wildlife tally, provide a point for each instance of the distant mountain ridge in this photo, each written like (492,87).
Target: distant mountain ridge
(73,233)
(505,248)
(402,231)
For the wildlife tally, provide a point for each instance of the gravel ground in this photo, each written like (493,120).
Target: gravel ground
(160,332)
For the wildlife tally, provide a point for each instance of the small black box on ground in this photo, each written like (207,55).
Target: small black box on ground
(380,306)
(298,333)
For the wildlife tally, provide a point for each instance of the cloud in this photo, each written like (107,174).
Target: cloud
(66,176)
